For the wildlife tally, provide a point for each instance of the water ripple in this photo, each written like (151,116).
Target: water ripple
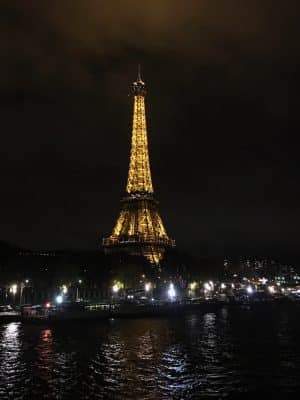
(200,356)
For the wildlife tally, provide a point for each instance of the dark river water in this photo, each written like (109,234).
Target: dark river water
(231,353)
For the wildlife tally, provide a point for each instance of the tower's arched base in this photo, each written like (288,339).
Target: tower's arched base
(139,230)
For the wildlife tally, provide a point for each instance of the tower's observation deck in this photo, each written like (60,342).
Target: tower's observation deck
(139,229)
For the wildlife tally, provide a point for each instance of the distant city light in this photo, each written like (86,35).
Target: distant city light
(147,287)
(223,286)
(263,280)
(171,291)
(48,305)
(64,289)
(249,289)
(80,281)
(27,281)
(271,289)
(59,299)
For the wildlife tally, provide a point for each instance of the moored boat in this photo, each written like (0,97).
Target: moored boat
(8,314)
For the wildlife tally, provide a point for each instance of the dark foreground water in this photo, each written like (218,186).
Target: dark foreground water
(231,353)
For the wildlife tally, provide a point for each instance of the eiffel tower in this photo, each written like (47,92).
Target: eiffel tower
(139,229)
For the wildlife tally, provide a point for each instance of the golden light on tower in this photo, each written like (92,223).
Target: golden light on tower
(139,176)
(139,230)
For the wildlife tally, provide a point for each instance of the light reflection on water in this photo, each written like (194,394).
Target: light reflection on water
(12,366)
(209,355)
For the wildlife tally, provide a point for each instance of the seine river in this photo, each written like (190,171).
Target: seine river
(231,353)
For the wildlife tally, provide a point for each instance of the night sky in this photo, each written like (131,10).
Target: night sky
(222,113)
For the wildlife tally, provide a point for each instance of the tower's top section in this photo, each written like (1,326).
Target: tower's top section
(139,175)
(138,86)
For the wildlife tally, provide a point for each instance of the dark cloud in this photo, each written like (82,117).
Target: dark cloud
(61,40)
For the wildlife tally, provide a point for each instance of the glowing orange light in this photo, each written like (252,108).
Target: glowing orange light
(139,227)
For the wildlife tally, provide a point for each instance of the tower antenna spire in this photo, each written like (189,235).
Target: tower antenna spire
(139,77)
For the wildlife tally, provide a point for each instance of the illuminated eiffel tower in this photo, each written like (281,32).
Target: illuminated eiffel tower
(139,229)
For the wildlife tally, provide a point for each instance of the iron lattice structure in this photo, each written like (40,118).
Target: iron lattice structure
(139,230)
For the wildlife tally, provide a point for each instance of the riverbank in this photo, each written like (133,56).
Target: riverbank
(96,312)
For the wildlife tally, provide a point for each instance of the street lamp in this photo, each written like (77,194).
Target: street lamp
(271,289)
(207,286)
(171,292)
(147,287)
(13,289)
(208,289)
(115,288)
(59,299)
(64,289)
(77,289)
(249,289)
